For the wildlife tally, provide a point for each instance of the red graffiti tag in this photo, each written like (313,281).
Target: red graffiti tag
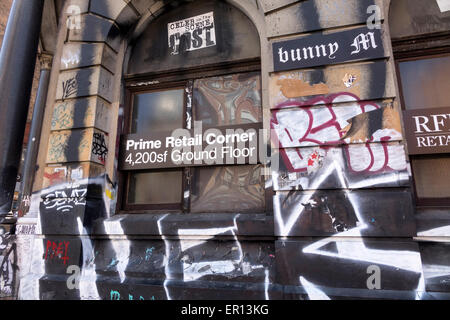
(57,250)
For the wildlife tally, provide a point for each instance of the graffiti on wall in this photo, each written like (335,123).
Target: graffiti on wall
(99,147)
(306,124)
(8,263)
(115,295)
(80,113)
(76,145)
(61,117)
(65,200)
(57,250)
(70,87)
(354,141)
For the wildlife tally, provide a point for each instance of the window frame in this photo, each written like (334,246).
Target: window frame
(415,55)
(132,92)
(171,81)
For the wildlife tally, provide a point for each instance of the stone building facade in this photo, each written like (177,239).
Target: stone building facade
(335,211)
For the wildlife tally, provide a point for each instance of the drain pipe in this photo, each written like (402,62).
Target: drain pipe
(17,62)
(29,167)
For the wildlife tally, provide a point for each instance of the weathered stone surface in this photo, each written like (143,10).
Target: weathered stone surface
(81,113)
(334,123)
(77,146)
(433,223)
(8,262)
(417,17)
(82,5)
(345,213)
(107,8)
(142,6)
(355,166)
(78,55)
(85,82)
(96,29)
(435,257)
(5,7)
(198,225)
(270,5)
(117,10)
(70,175)
(367,81)
(348,263)
(237,256)
(313,15)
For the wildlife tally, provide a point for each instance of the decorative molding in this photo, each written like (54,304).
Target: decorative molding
(46,61)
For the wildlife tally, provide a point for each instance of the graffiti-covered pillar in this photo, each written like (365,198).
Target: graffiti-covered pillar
(17,62)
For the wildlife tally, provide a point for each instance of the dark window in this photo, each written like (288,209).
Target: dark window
(158,111)
(161,110)
(216,101)
(172,83)
(425,83)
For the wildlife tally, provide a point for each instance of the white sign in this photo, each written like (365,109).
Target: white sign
(192,33)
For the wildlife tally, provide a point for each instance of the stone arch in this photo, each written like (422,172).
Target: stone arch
(149,11)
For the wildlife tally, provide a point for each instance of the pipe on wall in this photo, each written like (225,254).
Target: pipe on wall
(17,63)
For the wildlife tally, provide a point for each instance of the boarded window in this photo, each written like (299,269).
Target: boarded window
(426,82)
(221,101)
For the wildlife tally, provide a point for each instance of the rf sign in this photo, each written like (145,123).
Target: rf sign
(192,33)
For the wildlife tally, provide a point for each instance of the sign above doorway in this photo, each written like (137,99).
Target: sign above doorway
(192,33)
(325,49)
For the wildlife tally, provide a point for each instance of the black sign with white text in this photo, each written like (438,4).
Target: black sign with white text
(227,145)
(325,49)
(427,130)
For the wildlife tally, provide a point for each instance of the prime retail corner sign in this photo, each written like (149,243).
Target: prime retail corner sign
(427,130)
(192,33)
(226,145)
(325,49)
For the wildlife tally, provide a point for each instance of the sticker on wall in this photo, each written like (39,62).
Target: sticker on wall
(349,80)
(192,33)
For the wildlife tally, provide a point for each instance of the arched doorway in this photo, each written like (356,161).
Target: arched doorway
(197,62)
